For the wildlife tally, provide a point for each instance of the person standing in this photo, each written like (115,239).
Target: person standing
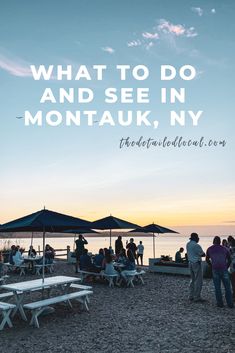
(118,245)
(232,266)
(195,254)
(140,253)
(219,258)
(80,246)
(132,247)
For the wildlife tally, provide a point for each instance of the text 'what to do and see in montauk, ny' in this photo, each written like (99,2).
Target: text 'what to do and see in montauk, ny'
(85,96)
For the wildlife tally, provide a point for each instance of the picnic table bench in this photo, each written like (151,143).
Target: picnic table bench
(110,278)
(38,307)
(102,274)
(85,274)
(39,267)
(6,295)
(3,279)
(132,275)
(5,310)
(11,267)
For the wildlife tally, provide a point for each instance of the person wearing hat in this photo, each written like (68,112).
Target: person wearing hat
(195,254)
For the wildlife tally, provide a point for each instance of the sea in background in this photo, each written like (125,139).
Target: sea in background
(165,244)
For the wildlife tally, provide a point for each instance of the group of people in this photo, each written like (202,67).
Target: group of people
(221,258)
(16,256)
(137,251)
(104,260)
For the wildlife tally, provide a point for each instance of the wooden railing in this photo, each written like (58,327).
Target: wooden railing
(58,252)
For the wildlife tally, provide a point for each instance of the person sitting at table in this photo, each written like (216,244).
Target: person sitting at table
(109,267)
(49,254)
(98,259)
(178,257)
(18,258)
(106,252)
(130,265)
(130,262)
(122,259)
(32,252)
(87,265)
(11,254)
(111,250)
(85,261)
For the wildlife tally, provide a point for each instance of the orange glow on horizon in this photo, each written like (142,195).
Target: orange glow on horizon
(179,217)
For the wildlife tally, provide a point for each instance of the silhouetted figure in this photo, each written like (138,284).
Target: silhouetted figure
(178,257)
(80,246)
(225,243)
(140,253)
(98,259)
(195,253)
(32,252)
(11,254)
(231,243)
(132,247)
(118,245)
(218,257)
(49,254)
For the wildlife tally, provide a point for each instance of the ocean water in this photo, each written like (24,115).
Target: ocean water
(164,244)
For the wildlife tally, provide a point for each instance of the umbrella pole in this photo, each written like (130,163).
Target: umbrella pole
(153,245)
(32,239)
(43,259)
(75,235)
(110,237)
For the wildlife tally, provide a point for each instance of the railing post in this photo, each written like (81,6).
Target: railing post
(68,251)
(39,252)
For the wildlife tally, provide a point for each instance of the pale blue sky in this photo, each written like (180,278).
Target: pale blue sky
(81,170)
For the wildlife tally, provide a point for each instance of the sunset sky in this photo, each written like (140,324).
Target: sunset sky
(81,170)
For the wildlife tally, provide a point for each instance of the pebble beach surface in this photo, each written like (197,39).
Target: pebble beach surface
(151,318)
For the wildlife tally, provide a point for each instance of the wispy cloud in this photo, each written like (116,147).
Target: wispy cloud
(178,30)
(197,10)
(108,50)
(15,66)
(213,11)
(134,43)
(163,31)
(147,41)
(149,35)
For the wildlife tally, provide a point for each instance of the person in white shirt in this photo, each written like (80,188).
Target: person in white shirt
(195,254)
(18,258)
(140,253)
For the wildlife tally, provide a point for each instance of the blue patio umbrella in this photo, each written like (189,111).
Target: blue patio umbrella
(45,221)
(153,228)
(110,223)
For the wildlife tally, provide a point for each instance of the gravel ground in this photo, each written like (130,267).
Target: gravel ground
(156,317)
